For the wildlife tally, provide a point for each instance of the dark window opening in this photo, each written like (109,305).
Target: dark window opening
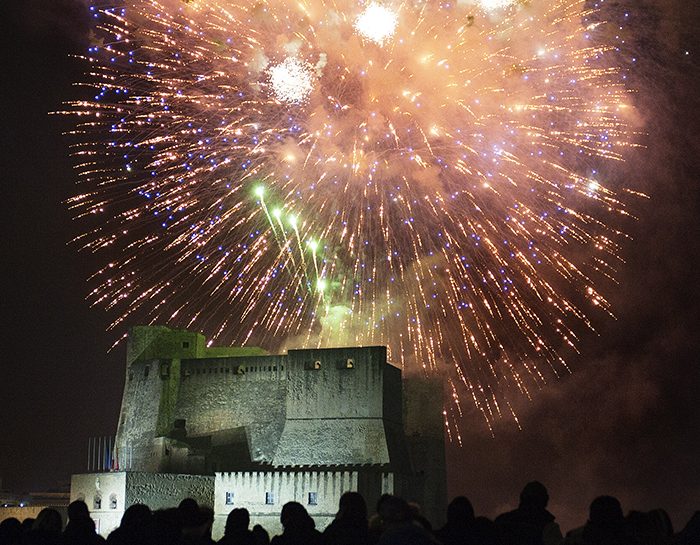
(313,498)
(113,501)
(146,370)
(97,502)
(185,344)
(269,498)
(229,498)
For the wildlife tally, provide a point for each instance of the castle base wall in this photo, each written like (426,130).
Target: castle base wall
(264,493)
(108,495)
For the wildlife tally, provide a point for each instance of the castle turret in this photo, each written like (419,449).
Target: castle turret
(150,391)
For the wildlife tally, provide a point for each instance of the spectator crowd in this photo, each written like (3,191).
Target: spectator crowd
(395,522)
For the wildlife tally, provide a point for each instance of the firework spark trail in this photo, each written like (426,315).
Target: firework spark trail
(415,174)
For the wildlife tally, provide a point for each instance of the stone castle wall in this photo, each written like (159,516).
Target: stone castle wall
(226,393)
(118,491)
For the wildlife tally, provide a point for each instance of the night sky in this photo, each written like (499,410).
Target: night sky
(625,422)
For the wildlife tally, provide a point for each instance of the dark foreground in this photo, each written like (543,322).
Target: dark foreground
(396,522)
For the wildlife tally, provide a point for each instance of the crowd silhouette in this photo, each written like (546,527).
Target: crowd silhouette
(395,522)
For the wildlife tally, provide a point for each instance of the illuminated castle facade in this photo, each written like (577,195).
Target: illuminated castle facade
(235,427)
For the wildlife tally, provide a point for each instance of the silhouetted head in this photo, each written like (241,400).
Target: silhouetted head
(189,513)
(460,511)
(260,535)
(136,517)
(294,517)
(352,507)
(10,530)
(77,510)
(662,522)
(394,510)
(49,521)
(78,527)
(188,505)
(606,511)
(534,495)
(237,521)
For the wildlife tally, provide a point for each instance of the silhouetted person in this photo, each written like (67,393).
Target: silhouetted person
(135,527)
(605,526)
(375,522)
(350,524)
(299,527)
(80,529)
(166,526)
(236,531)
(46,529)
(399,526)
(10,531)
(261,536)
(196,524)
(530,523)
(662,522)
(652,528)
(460,522)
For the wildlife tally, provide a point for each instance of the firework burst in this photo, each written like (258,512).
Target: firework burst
(417,174)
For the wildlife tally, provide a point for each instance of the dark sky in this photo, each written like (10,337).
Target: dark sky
(626,422)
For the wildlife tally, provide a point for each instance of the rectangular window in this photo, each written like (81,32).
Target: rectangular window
(185,344)
(269,498)
(229,498)
(313,498)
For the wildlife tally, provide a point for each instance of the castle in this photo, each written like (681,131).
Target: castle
(235,427)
